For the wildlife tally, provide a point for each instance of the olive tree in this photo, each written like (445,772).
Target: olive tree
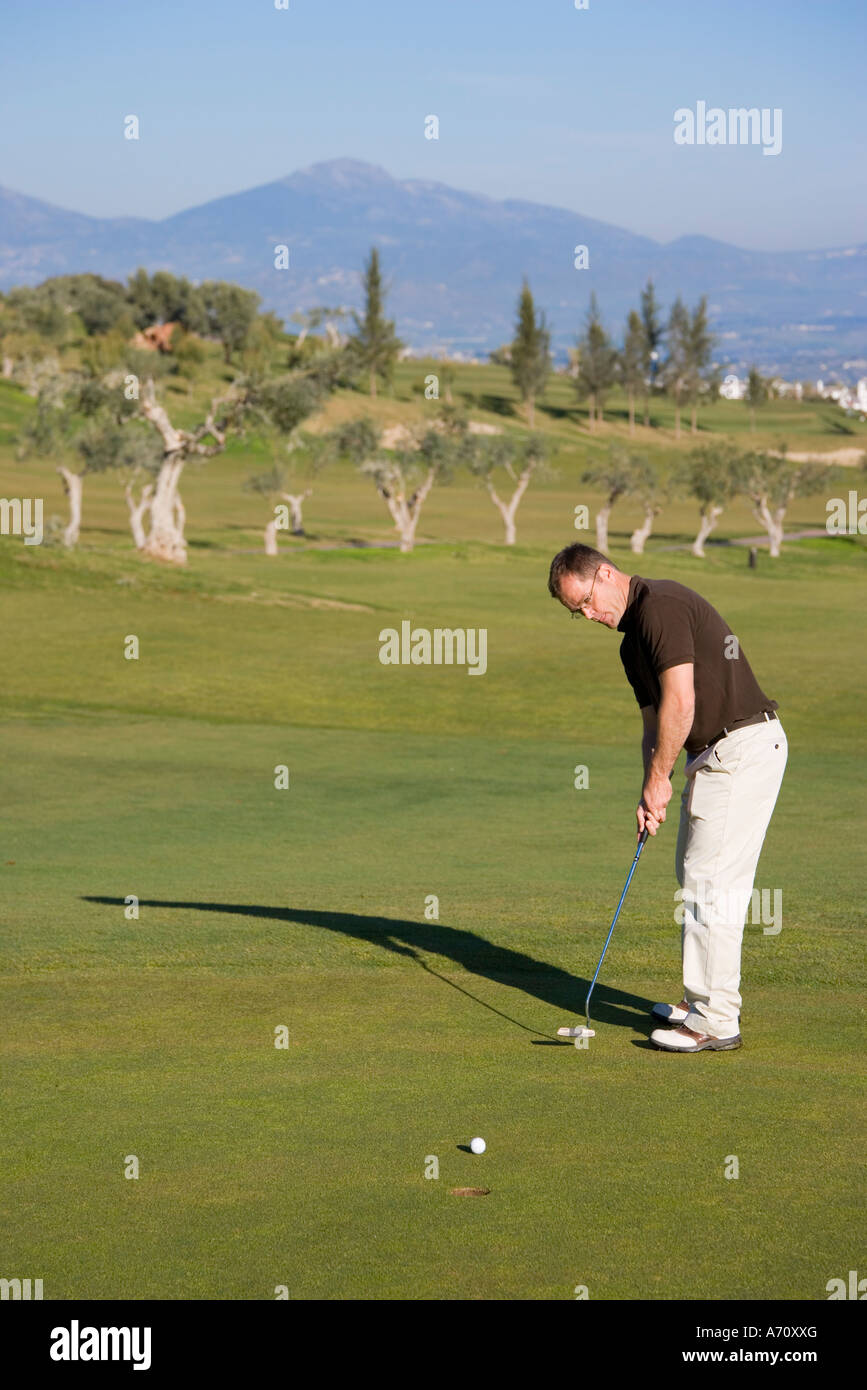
(712,474)
(518,461)
(615,477)
(652,492)
(771,483)
(307,457)
(405,477)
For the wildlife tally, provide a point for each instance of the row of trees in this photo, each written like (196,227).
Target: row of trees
(684,370)
(404,476)
(95,426)
(672,356)
(714,474)
(106,413)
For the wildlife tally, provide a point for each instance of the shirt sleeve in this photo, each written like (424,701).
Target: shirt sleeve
(667,631)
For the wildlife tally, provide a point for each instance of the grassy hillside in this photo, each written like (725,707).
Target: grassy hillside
(305,908)
(345,506)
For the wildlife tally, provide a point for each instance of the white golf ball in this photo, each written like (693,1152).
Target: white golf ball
(478,1146)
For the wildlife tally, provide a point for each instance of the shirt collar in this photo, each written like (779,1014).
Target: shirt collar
(634,582)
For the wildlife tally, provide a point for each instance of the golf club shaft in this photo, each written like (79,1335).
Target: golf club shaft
(641,844)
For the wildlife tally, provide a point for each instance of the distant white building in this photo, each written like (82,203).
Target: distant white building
(850,398)
(787,389)
(732,388)
(847,397)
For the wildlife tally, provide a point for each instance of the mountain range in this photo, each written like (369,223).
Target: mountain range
(454,262)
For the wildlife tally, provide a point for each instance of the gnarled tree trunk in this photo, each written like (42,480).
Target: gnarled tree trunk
(406,512)
(165,540)
(641,533)
(137,512)
(772,522)
(709,518)
(509,509)
(336,339)
(602,527)
(73,484)
(296,502)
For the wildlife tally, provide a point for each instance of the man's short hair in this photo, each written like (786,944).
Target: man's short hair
(577,559)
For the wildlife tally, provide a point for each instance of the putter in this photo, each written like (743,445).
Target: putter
(589,1032)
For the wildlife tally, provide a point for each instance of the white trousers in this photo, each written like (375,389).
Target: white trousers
(730,793)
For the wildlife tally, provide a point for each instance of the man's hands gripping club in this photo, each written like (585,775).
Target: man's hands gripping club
(665,732)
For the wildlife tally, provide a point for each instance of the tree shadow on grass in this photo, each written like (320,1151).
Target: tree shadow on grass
(558,413)
(479,957)
(496,405)
(834,425)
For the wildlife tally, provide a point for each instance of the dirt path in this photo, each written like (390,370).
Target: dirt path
(847,458)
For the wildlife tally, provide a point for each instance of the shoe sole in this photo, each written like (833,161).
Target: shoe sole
(712,1045)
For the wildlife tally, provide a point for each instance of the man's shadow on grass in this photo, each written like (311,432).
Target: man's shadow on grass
(478,956)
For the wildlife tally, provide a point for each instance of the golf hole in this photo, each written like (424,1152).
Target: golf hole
(469,1192)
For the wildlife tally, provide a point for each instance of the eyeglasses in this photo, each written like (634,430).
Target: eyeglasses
(584,602)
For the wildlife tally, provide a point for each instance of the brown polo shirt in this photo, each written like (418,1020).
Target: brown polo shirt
(666,624)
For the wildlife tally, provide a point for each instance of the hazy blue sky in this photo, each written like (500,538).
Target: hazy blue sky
(536,100)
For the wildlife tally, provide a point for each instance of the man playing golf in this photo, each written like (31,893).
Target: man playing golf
(696,691)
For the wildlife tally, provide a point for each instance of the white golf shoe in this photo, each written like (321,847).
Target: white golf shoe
(685,1040)
(670,1013)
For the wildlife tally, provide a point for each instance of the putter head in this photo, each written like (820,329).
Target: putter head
(579,1032)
